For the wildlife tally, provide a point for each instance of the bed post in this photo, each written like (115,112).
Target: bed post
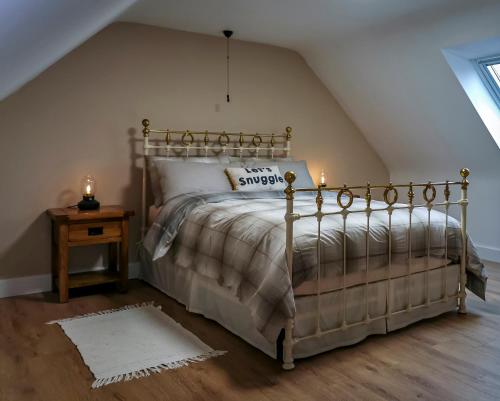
(463,226)
(145,132)
(289,219)
(288,141)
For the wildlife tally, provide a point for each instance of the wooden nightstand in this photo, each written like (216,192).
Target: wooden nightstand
(71,227)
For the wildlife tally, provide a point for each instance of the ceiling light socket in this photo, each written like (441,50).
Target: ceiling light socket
(227,33)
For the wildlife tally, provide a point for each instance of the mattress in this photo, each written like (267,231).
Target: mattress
(353,278)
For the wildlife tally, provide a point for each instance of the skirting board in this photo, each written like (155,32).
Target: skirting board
(11,287)
(488,253)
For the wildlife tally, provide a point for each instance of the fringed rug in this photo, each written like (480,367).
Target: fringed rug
(132,342)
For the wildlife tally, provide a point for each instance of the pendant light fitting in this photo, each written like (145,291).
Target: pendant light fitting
(227,33)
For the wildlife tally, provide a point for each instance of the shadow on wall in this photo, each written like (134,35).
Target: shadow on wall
(35,240)
(131,194)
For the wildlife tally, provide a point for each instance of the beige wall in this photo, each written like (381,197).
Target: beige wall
(82,116)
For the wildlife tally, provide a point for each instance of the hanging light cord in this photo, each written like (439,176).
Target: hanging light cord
(227,69)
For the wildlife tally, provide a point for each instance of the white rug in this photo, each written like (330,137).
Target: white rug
(132,342)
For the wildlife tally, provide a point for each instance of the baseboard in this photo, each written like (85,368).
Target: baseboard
(488,253)
(11,287)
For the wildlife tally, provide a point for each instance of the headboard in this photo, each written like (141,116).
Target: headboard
(185,144)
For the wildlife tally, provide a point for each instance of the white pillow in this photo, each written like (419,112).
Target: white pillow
(255,178)
(180,177)
(154,176)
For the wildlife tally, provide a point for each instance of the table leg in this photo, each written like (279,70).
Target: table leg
(62,263)
(53,258)
(124,256)
(113,256)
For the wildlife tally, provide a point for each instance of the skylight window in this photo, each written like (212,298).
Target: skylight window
(490,73)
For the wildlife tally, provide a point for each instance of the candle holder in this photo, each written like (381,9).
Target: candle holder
(88,186)
(322,179)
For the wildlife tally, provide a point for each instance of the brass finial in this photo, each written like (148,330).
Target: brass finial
(447,192)
(368,195)
(411,194)
(319,199)
(288,133)
(145,124)
(289,178)
(465,173)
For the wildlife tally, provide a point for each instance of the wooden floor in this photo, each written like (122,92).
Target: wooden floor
(451,357)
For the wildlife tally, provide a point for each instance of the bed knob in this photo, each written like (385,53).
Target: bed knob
(145,124)
(290,177)
(465,173)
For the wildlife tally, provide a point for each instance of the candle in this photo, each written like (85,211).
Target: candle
(322,179)
(88,194)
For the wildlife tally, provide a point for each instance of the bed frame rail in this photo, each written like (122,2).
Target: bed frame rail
(345,199)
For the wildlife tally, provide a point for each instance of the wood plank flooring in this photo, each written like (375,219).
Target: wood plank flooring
(450,357)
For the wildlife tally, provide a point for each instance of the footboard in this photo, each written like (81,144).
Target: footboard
(391,194)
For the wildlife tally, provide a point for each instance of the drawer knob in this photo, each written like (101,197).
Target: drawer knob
(95,231)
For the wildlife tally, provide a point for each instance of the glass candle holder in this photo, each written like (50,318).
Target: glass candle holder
(88,187)
(322,179)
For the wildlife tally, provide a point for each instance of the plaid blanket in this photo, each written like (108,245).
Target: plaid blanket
(238,239)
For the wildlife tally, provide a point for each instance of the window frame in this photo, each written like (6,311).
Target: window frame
(483,63)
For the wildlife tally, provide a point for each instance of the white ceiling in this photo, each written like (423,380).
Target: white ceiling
(35,34)
(289,23)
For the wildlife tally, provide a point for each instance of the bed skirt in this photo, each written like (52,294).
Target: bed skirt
(205,296)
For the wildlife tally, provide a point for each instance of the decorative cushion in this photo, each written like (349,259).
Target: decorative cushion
(255,178)
(299,167)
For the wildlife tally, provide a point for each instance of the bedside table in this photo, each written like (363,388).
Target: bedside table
(72,227)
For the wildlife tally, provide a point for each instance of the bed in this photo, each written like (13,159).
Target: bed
(300,270)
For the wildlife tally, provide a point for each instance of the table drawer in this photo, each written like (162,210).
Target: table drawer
(93,231)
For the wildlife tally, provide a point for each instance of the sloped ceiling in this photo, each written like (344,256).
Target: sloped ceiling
(35,34)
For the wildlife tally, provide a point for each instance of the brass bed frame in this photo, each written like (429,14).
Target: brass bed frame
(204,143)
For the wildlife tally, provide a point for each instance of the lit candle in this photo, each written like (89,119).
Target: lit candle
(322,179)
(88,194)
